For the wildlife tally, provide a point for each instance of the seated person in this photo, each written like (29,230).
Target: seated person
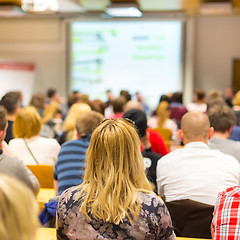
(11,165)
(18,210)
(225,222)
(222,119)
(196,172)
(115,200)
(28,145)
(70,167)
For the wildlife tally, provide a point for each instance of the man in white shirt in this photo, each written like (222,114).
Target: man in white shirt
(196,172)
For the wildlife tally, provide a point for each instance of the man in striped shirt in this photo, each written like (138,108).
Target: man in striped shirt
(226,218)
(70,166)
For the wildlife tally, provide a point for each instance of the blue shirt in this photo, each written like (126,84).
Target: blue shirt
(70,166)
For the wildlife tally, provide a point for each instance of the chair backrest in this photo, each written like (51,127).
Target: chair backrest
(44,174)
(165,133)
(190,218)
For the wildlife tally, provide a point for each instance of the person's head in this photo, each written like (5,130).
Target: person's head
(140,120)
(18,210)
(73,98)
(195,126)
(126,94)
(38,100)
(98,106)
(199,96)
(132,105)
(177,97)
(11,102)
(164,98)
(163,113)
(222,118)
(118,104)
(236,99)
(27,123)
(87,122)
(115,171)
(214,94)
(84,98)
(51,93)
(3,123)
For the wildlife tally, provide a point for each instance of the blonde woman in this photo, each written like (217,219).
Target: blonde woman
(69,125)
(18,210)
(115,200)
(52,121)
(162,119)
(28,145)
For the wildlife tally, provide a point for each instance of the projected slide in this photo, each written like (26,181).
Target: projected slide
(135,56)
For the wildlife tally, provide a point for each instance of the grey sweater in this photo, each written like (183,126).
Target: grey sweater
(14,166)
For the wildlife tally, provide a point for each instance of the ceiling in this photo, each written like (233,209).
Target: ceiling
(187,7)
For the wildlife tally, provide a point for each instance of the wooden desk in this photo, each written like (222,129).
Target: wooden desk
(46,234)
(44,195)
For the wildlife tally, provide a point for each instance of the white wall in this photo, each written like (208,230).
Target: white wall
(217,43)
(41,41)
(212,43)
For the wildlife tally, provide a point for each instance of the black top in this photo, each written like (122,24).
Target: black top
(9,133)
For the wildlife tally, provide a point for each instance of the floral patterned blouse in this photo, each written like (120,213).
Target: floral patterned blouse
(154,221)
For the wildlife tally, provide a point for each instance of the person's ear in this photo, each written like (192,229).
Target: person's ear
(210,132)
(180,134)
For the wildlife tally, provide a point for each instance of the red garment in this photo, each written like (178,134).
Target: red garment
(157,142)
(226,218)
(115,116)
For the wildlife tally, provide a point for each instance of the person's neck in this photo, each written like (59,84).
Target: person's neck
(11,117)
(221,135)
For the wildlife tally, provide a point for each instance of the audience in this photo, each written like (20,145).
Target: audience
(222,119)
(117,105)
(11,165)
(18,210)
(11,102)
(115,200)
(28,145)
(196,172)
(70,167)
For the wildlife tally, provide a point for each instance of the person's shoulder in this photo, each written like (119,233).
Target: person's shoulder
(151,199)
(231,192)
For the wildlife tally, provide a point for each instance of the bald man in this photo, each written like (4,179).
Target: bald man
(196,172)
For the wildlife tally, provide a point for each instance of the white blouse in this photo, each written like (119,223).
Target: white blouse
(44,150)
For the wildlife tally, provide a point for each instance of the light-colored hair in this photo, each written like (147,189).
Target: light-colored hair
(50,111)
(114,174)
(214,94)
(27,123)
(236,99)
(18,210)
(162,113)
(195,126)
(71,119)
(87,122)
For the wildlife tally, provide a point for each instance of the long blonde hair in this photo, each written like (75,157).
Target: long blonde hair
(162,113)
(114,174)
(50,111)
(71,119)
(18,210)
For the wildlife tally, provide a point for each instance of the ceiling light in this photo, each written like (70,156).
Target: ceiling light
(123,10)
